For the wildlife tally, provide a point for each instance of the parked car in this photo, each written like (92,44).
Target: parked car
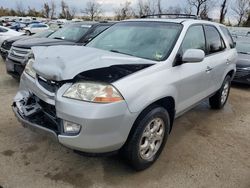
(6,45)
(123,90)
(6,33)
(71,34)
(17,26)
(243,63)
(35,28)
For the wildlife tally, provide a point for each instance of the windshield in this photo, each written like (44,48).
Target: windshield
(149,40)
(43,34)
(71,33)
(243,47)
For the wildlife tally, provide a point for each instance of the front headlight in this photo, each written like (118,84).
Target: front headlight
(93,92)
(29,69)
(30,60)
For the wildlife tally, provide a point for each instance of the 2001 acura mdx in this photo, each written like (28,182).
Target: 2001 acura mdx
(123,90)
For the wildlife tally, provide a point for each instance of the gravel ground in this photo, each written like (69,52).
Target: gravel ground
(206,149)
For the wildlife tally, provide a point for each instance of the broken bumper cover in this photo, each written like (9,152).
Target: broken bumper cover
(34,127)
(104,127)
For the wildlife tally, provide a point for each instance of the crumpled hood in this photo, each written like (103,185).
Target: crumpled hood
(30,42)
(243,61)
(65,62)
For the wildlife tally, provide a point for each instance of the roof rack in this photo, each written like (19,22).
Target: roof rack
(189,16)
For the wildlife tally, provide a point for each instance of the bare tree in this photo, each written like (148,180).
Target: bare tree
(64,8)
(223,10)
(46,10)
(187,9)
(198,5)
(174,10)
(66,12)
(93,9)
(20,10)
(247,23)
(53,9)
(204,11)
(72,12)
(125,11)
(159,7)
(146,7)
(241,8)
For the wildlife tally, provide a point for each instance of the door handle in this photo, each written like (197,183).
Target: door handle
(209,69)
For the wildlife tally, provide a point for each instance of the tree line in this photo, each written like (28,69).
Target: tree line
(239,9)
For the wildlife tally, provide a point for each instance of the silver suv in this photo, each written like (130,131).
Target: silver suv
(123,90)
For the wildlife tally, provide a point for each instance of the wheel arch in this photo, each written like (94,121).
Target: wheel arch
(167,103)
(231,73)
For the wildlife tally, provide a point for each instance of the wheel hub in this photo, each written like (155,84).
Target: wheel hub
(152,138)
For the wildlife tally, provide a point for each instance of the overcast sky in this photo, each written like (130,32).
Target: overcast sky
(107,5)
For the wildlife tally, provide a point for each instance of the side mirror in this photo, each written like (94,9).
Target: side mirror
(193,56)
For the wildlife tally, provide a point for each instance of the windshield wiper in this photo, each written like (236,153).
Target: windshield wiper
(60,38)
(117,51)
(248,53)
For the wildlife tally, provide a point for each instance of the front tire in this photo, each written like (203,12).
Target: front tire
(219,100)
(147,138)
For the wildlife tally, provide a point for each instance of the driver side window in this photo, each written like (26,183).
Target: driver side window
(194,39)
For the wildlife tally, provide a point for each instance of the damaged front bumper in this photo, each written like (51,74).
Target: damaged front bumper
(104,127)
(27,123)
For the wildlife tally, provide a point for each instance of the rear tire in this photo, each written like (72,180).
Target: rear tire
(147,138)
(219,99)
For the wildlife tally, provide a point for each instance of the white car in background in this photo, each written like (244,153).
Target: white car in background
(35,28)
(6,33)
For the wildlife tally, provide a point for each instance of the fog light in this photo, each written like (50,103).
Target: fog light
(71,128)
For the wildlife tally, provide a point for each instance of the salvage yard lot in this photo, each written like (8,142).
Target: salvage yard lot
(206,149)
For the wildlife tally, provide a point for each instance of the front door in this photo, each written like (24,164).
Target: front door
(195,79)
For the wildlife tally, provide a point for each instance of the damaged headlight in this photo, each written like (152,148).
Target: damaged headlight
(93,92)
(28,68)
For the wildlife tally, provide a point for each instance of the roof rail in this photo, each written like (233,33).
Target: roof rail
(189,16)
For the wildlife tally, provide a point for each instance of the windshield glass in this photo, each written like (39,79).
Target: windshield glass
(243,47)
(43,34)
(71,33)
(149,40)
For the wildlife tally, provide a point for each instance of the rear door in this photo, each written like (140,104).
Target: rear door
(218,56)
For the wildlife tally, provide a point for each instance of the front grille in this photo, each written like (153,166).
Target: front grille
(6,45)
(51,86)
(242,73)
(18,54)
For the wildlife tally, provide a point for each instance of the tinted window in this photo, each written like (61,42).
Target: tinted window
(228,36)
(149,40)
(214,40)
(42,25)
(194,39)
(33,25)
(2,30)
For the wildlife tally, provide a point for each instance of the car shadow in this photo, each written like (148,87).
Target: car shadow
(241,86)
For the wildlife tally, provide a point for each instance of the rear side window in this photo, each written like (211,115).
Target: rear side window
(41,25)
(228,36)
(194,39)
(215,42)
